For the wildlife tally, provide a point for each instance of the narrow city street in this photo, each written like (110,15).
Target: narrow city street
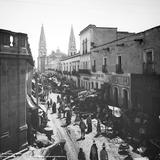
(77,83)
(72,132)
(72,151)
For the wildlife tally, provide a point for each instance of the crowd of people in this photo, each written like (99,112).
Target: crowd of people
(103,115)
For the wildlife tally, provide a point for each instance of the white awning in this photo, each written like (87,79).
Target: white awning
(115,111)
(30,103)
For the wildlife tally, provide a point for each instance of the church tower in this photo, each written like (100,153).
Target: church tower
(42,51)
(72,44)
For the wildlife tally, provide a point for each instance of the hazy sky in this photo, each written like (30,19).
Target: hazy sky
(57,17)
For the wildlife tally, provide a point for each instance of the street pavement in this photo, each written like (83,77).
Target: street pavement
(72,150)
(72,132)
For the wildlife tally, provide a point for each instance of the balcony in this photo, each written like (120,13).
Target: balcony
(94,68)
(104,69)
(119,69)
(75,73)
(65,72)
(149,68)
(84,71)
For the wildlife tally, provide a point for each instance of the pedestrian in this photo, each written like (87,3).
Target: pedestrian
(98,127)
(82,126)
(58,98)
(54,107)
(68,119)
(94,151)
(103,153)
(89,124)
(51,102)
(81,155)
(48,103)
(59,110)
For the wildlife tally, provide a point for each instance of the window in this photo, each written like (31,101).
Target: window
(119,60)
(86,46)
(83,45)
(94,62)
(148,64)
(148,56)
(96,85)
(92,85)
(115,94)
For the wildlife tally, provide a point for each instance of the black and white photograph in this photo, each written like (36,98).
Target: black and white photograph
(79,79)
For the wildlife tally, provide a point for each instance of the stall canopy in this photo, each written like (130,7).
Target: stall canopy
(115,111)
(30,103)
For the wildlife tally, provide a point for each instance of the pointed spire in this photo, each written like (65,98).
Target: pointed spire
(42,51)
(42,36)
(72,44)
(42,43)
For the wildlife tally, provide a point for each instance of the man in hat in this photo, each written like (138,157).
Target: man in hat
(82,127)
(94,151)
(81,155)
(89,124)
(98,127)
(103,153)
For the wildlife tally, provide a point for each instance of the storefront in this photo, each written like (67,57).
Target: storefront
(120,90)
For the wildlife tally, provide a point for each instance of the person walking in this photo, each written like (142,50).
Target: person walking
(68,118)
(81,155)
(54,107)
(103,153)
(94,151)
(89,124)
(98,127)
(82,126)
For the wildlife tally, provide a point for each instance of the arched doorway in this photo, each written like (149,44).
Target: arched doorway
(125,98)
(115,96)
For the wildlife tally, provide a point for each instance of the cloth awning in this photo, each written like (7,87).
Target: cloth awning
(115,111)
(30,103)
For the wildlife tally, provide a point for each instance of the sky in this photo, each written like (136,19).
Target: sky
(57,16)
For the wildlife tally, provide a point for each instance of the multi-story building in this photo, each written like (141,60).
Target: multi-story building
(16,66)
(70,64)
(42,52)
(132,67)
(90,37)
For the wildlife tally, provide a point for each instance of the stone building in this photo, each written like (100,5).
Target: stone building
(42,52)
(90,37)
(132,66)
(53,60)
(16,66)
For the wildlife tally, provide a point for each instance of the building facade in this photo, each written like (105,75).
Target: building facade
(16,66)
(70,64)
(42,52)
(130,63)
(90,37)
(53,60)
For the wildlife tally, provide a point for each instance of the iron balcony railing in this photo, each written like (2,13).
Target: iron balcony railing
(119,69)
(84,71)
(104,69)
(93,68)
